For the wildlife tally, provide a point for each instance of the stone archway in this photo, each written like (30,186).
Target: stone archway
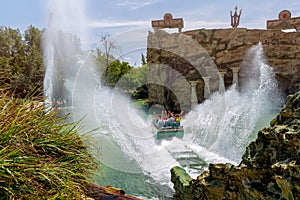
(198,65)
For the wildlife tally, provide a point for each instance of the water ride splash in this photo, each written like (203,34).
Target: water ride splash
(125,139)
(217,130)
(226,123)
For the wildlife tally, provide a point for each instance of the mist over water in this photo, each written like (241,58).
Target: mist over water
(62,54)
(125,139)
(217,130)
(226,123)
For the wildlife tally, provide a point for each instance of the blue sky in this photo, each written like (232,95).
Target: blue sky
(128,21)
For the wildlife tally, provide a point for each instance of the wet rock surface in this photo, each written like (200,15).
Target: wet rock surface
(98,192)
(269,168)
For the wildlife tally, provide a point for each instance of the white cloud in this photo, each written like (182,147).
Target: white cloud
(131,41)
(111,23)
(199,24)
(128,59)
(188,24)
(133,4)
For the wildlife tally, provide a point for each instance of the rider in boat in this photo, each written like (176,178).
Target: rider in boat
(166,120)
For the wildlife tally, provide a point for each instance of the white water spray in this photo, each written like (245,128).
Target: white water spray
(125,139)
(225,123)
(217,130)
(63,55)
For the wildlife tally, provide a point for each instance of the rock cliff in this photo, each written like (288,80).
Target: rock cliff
(269,168)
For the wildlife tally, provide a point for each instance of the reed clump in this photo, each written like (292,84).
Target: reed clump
(41,157)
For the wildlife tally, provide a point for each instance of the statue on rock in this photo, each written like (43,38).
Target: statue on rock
(235,18)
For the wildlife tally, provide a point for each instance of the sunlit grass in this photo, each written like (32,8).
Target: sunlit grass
(41,157)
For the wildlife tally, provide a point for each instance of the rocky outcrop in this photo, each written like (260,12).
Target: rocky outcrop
(181,181)
(97,192)
(269,168)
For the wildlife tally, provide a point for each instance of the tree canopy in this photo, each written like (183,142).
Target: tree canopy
(21,61)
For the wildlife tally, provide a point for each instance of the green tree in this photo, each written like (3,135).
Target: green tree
(109,46)
(21,61)
(117,70)
(12,59)
(101,61)
(144,62)
(34,68)
(134,79)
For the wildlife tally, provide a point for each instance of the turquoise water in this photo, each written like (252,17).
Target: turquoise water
(137,184)
(217,130)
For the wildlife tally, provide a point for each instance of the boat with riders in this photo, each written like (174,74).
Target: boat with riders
(167,125)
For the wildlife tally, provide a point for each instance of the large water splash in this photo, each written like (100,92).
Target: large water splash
(227,122)
(217,130)
(62,52)
(124,137)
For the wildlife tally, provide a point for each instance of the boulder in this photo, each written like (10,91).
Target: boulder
(181,181)
(98,192)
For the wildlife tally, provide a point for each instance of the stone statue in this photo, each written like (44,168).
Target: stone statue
(168,22)
(284,21)
(235,18)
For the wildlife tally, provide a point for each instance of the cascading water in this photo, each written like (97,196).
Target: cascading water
(225,123)
(217,130)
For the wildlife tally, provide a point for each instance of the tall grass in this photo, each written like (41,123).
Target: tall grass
(41,157)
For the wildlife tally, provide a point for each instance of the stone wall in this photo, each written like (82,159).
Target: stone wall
(193,53)
(228,48)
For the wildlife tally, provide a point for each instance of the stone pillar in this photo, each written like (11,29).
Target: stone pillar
(206,87)
(194,99)
(221,82)
(235,77)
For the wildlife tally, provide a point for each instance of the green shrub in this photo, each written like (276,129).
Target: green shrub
(41,157)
